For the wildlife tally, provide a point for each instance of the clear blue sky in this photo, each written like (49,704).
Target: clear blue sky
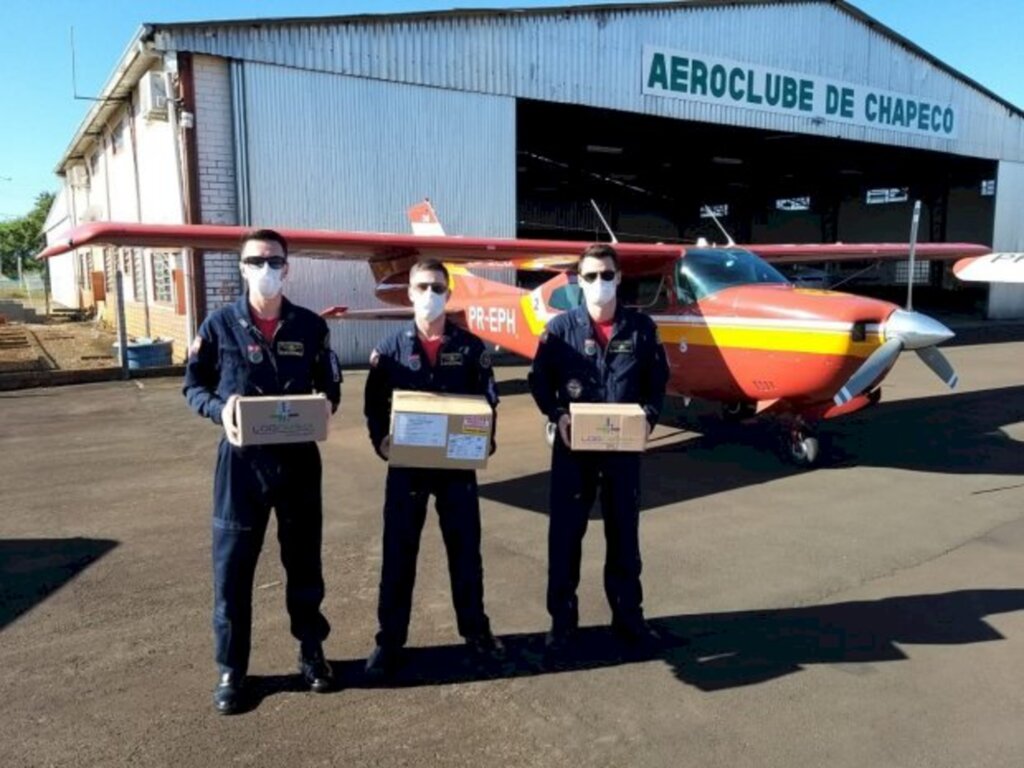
(981,38)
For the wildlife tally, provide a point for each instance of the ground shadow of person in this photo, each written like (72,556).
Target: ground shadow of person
(715,651)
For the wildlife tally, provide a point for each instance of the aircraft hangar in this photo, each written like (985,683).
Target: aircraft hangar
(792,120)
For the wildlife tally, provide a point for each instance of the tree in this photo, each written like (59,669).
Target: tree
(24,237)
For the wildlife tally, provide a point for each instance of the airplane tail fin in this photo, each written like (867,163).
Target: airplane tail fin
(423,220)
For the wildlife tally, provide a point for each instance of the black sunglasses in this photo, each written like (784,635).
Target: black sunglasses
(605,274)
(438,288)
(275,262)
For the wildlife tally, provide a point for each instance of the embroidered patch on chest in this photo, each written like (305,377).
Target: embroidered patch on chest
(414,363)
(255,352)
(450,358)
(621,347)
(290,348)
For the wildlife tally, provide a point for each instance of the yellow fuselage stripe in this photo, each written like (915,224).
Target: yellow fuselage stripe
(816,342)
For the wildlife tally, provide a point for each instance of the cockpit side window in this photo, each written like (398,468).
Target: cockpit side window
(566,297)
(707,272)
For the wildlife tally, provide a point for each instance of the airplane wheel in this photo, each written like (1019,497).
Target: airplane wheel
(735,412)
(803,448)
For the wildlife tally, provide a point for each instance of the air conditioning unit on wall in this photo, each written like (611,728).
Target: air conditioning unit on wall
(78,177)
(153,96)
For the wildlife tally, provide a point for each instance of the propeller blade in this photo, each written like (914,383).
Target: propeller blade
(941,366)
(869,372)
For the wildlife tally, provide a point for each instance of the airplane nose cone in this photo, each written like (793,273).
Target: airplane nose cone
(915,330)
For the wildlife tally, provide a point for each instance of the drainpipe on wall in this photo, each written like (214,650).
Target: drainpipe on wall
(181,121)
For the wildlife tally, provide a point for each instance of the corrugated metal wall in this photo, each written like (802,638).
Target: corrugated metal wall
(347,153)
(334,152)
(1007,301)
(594,58)
(319,284)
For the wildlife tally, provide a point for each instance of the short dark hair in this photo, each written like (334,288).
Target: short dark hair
(429,265)
(599,251)
(267,236)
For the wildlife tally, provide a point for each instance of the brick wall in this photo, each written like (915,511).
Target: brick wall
(218,201)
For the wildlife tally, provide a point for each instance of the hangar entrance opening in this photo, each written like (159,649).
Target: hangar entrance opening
(653,177)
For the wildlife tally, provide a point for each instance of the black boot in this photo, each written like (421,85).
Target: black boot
(486,645)
(228,696)
(315,670)
(382,663)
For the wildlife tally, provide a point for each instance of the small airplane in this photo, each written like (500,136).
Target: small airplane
(735,330)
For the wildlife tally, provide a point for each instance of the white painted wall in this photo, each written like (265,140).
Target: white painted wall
(1007,301)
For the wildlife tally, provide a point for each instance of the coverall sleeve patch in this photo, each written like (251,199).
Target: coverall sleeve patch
(195,346)
(374,358)
(485,359)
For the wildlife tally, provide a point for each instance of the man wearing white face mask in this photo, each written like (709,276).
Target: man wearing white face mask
(431,355)
(263,345)
(600,352)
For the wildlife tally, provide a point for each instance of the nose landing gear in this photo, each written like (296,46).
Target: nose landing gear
(801,444)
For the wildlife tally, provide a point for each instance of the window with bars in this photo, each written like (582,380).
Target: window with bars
(163,278)
(922,271)
(85,271)
(110,269)
(138,275)
(117,136)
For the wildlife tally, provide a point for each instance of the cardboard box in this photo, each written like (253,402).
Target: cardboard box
(281,419)
(608,427)
(436,431)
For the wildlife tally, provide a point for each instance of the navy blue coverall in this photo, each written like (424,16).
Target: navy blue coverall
(572,367)
(463,367)
(231,357)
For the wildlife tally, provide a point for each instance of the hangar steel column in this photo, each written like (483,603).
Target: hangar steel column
(1007,301)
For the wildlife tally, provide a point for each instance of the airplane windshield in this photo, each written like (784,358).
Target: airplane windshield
(706,272)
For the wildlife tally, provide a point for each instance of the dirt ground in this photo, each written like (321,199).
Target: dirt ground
(55,344)
(867,613)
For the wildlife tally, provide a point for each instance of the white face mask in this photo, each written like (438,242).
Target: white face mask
(600,292)
(264,281)
(428,306)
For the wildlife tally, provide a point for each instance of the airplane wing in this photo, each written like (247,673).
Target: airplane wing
(992,268)
(377,313)
(793,254)
(379,250)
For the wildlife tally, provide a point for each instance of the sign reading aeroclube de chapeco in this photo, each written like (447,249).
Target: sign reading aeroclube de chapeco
(714,80)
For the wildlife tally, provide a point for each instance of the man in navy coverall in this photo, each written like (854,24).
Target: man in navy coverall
(263,345)
(430,355)
(601,352)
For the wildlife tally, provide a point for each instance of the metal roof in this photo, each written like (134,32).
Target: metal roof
(137,57)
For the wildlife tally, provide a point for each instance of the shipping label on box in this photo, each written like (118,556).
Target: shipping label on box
(435,431)
(281,419)
(608,427)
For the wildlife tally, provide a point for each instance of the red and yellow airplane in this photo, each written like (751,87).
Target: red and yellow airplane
(736,331)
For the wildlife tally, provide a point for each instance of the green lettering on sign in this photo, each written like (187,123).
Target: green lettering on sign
(679,72)
(699,78)
(658,74)
(806,103)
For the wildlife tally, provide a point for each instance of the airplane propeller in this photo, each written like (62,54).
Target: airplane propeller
(904,329)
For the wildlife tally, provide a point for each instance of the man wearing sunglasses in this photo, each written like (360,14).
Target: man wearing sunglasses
(430,355)
(600,352)
(263,345)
